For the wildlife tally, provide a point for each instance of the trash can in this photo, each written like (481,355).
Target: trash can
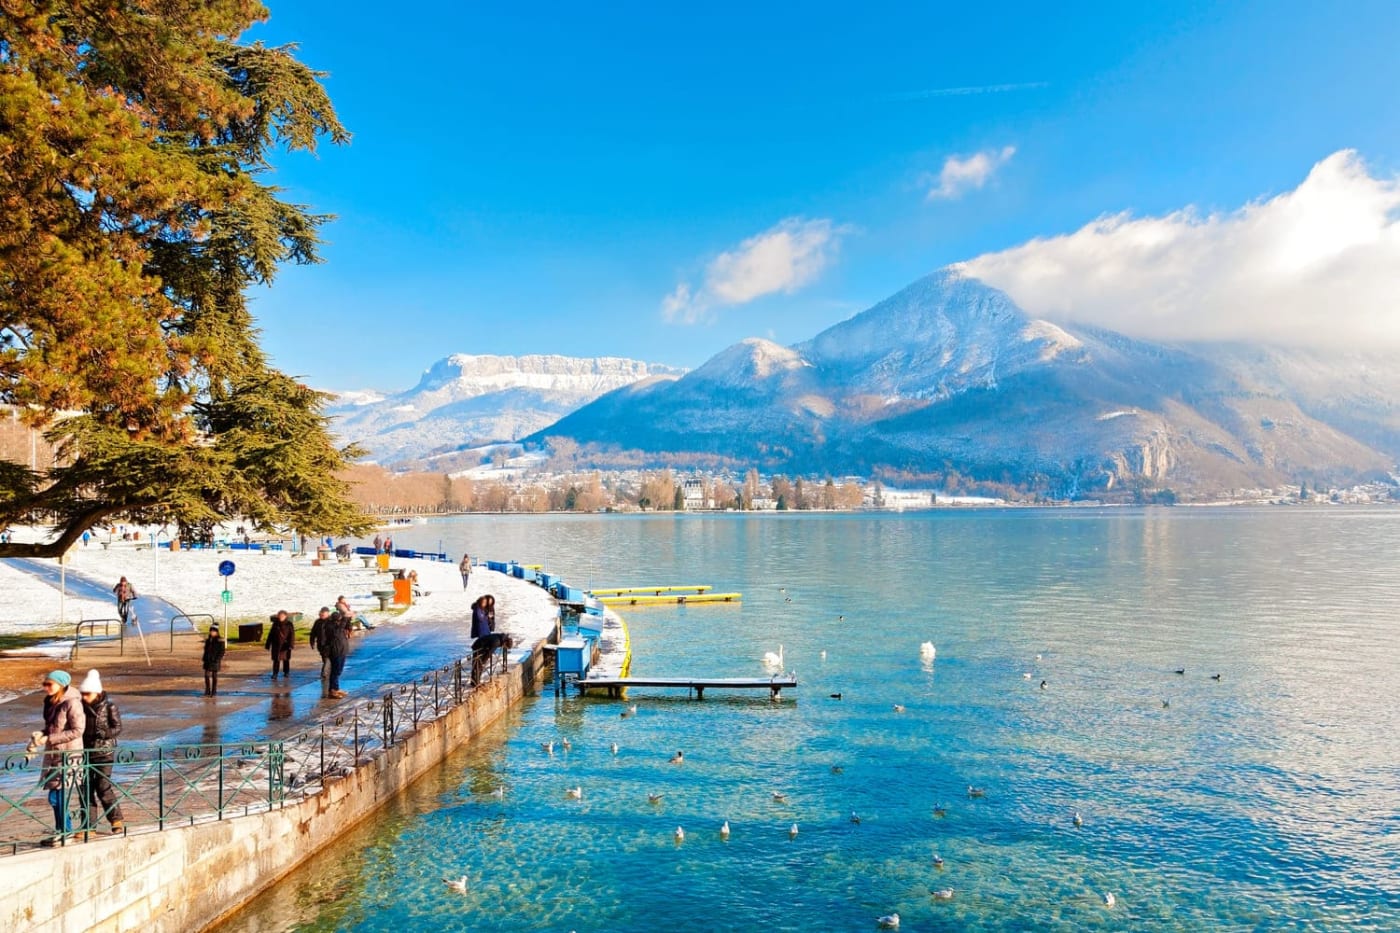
(253,631)
(403,592)
(382,559)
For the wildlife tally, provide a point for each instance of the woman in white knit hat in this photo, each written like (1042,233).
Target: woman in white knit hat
(104,724)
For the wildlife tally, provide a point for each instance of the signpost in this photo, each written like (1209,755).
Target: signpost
(226,569)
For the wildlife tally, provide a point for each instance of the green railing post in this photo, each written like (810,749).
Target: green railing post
(160,786)
(221,782)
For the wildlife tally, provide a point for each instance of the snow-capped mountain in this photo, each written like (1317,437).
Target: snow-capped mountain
(950,375)
(466,401)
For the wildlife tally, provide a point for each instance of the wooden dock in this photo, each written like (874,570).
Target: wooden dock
(695,685)
(643,590)
(656,599)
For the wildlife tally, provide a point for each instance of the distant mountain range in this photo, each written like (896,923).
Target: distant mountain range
(947,378)
(950,376)
(466,401)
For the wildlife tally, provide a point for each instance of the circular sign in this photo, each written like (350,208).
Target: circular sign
(227,596)
(225,568)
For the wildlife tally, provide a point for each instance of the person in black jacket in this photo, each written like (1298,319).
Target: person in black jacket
(319,639)
(103,725)
(214,647)
(336,638)
(279,643)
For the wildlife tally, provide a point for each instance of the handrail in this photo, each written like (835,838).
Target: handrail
(92,623)
(193,628)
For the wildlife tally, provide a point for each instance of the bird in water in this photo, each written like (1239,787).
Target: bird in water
(680,834)
(837,769)
(779,796)
(792,831)
(836,696)
(927,651)
(614,748)
(678,758)
(940,810)
(724,830)
(1109,900)
(629,711)
(943,894)
(1214,676)
(548,747)
(1078,820)
(1026,675)
(899,707)
(1166,704)
(459,885)
(1044,684)
(567,744)
(654,798)
(840,618)
(855,817)
(575,793)
(937,860)
(772,659)
(888,922)
(499,792)
(1181,670)
(976,791)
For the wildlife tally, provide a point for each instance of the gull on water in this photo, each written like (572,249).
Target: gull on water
(899,707)
(937,860)
(780,796)
(654,798)
(457,884)
(976,791)
(792,831)
(943,894)
(940,809)
(614,748)
(724,830)
(576,793)
(1078,820)
(888,921)
(548,747)
(1109,900)
(680,834)
(629,711)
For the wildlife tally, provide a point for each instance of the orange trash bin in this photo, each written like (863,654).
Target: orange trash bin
(403,592)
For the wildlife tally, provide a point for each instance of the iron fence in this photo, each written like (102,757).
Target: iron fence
(161,787)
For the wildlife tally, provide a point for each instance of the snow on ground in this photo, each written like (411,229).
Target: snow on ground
(261,584)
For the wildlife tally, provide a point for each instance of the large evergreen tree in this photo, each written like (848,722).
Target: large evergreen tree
(133,217)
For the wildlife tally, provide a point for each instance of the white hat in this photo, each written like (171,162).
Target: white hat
(92,683)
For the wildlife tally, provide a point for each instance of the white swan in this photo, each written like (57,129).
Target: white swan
(576,793)
(774,660)
(724,830)
(457,884)
(927,651)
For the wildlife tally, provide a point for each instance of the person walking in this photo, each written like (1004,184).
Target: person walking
(62,735)
(126,595)
(102,725)
(213,659)
(466,568)
(320,640)
(336,638)
(279,643)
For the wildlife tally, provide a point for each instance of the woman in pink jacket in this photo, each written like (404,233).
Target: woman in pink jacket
(62,736)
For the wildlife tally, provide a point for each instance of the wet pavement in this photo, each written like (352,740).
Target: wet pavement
(161,697)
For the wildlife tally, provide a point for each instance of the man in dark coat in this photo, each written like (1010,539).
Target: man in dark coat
(320,640)
(336,638)
(279,643)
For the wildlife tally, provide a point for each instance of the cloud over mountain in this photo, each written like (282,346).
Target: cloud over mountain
(782,258)
(1315,266)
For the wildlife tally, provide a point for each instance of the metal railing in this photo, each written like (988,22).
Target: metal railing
(160,787)
(113,630)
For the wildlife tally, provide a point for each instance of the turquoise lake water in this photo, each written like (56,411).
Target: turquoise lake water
(1267,799)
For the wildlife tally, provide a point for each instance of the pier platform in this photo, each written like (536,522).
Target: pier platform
(695,685)
(654,599)
(643,590)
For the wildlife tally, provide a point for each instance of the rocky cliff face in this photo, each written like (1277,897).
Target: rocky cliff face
(467,400)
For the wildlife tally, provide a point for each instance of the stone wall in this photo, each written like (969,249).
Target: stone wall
(192,877)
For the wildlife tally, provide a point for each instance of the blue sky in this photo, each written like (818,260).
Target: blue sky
(658,182)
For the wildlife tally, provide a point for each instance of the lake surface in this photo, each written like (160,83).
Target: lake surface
(1266,799)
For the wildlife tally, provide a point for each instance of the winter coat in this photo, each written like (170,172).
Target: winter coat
(214,649)
(64,722)
(320,630)
(481,620)
(335,637)
(103,725)
(280,637)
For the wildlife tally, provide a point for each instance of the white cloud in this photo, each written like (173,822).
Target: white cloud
(781,259)
(960,175)
(1318,265)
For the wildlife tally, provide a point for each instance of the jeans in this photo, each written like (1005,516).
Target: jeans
(337,668)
